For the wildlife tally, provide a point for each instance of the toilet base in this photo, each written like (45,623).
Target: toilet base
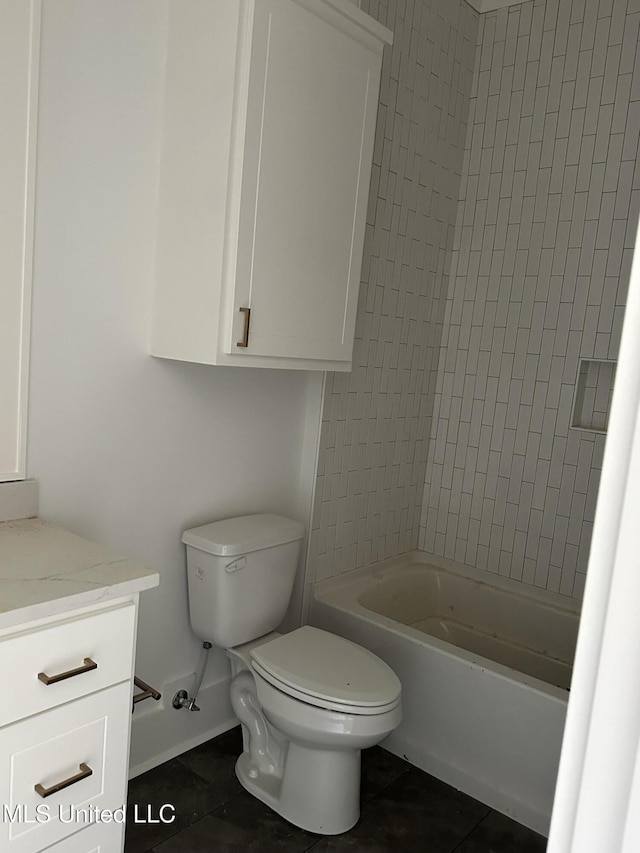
(319,790)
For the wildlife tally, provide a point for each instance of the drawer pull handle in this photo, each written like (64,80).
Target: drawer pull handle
(85,772)
(70,673)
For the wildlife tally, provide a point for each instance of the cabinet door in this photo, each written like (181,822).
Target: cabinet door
(311,103)
(19,43)
(98,838)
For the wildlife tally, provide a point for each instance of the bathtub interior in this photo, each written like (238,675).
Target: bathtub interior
(533,637)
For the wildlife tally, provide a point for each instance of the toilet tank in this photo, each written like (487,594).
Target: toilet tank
(240,573)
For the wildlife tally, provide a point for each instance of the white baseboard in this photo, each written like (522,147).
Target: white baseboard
(159,732)
(181,748)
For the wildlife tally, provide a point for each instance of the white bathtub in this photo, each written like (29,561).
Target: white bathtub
(484,670)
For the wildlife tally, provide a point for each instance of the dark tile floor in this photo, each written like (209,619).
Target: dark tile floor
(403,809)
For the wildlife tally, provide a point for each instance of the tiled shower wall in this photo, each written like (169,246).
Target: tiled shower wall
(546,225)
(377,419)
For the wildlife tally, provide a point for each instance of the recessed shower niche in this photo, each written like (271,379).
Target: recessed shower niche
(594,390)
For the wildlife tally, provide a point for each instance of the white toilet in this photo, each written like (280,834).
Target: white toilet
(308,701)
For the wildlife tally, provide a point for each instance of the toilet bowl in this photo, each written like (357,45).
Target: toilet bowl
(308,701)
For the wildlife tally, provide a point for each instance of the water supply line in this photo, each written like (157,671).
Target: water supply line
(182,698)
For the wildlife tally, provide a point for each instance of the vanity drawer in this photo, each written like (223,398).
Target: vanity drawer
(63,768)
(64,653)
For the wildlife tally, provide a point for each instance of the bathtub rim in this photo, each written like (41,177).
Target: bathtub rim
(342,591)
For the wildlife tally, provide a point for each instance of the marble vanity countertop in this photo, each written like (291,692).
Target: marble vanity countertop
(45,570)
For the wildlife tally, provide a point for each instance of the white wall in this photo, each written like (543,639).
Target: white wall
(130,450)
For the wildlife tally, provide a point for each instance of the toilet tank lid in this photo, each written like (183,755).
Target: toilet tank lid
(233,536)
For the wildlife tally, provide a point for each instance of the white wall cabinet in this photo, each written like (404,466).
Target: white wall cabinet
(269,121)
(19,50)
(65,744)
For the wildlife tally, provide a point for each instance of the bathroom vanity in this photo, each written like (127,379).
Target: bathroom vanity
(68,615)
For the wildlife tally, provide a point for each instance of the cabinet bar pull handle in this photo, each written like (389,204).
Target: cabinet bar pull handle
(148,692)
(245,337)
(70,673)
(85,772)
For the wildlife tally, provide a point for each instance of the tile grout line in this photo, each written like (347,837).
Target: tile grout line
(462,840)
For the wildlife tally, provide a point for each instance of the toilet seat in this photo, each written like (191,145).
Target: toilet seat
(327,671)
